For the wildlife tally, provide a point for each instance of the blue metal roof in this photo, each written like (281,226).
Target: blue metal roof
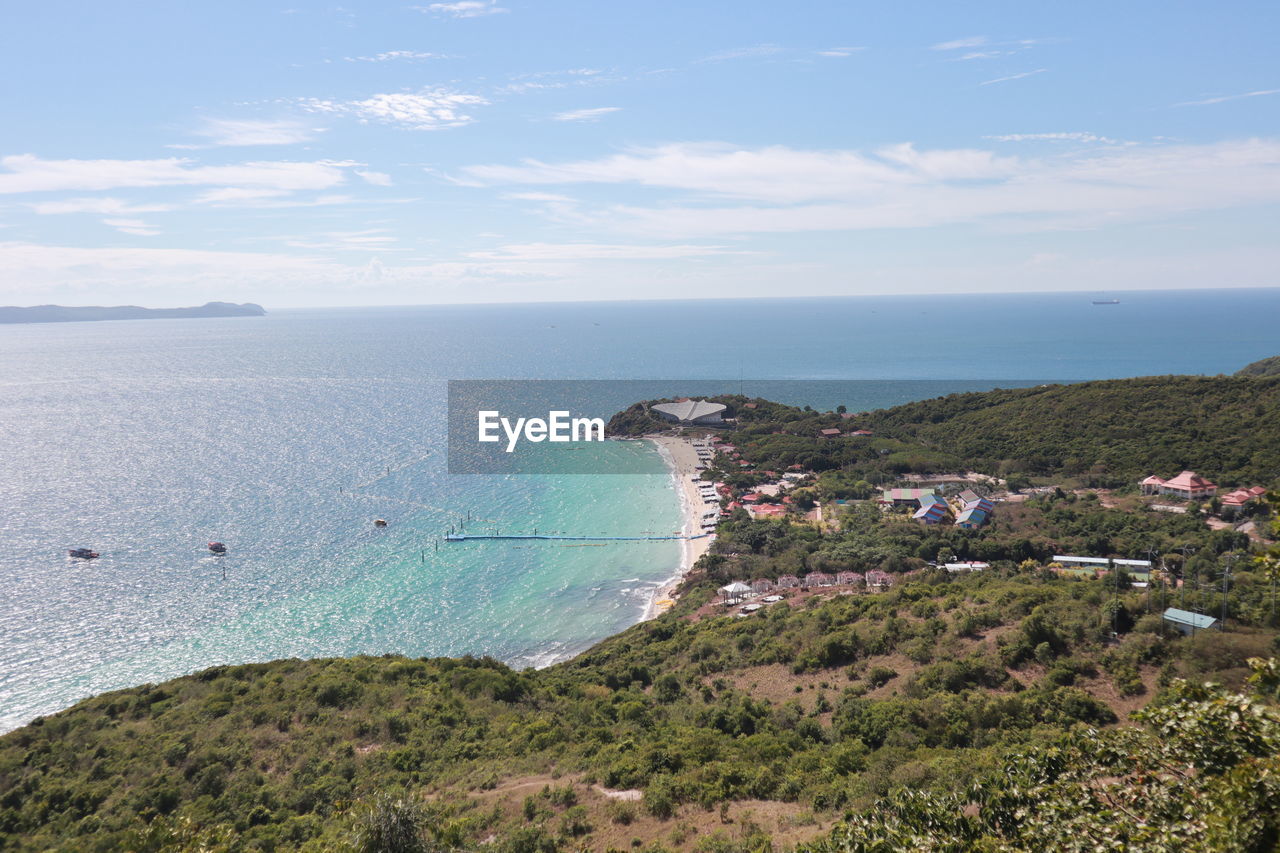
(1186,617)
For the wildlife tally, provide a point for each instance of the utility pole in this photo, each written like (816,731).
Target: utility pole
(1226,577)
(1187,551)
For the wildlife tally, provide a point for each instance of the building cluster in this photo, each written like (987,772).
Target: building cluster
(874,580)
(969,509)
(1191,486)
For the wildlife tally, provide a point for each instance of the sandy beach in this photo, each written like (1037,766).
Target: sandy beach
(683,461)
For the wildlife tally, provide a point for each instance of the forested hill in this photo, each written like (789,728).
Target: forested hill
(69,314)
(1263,367)
(1106,433)
(1117,430)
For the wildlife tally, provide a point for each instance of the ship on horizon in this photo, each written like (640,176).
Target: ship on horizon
(1106,302)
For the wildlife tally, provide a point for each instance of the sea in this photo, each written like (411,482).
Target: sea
(285,436)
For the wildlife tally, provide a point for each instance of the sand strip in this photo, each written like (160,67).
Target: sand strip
(681,457)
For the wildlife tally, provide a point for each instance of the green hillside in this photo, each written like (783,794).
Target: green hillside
(733,728)
(988,711)
(1262,367)
(1114,432)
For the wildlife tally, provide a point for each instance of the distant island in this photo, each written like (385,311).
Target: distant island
(66,314)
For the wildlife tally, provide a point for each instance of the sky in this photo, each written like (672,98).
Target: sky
(304,154)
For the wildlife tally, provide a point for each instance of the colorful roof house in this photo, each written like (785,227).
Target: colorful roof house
(932,512)
(849,578)
(788,582)
(968,496)
(767,510)
(762,585)
(830,433)
(904,497)
(750,497)
(877,579)
(971,518)
(816,579)
(1188,485)
(982,504)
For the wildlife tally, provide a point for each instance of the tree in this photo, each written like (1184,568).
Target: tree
(391,825)
(1204,775)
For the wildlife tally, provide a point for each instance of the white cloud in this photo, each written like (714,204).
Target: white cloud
(430,109)
(597,251)
(129,274)
(1013,77)
(395,55)
(378,179)
(755,52)
(777,174)
(958,44)
(981,47)
(592,114)
(369,239)
(538,196)
(1221,98)
(230,132)
(1055,137)
(27,173)
(840,51)
(103,206)
(136,227)
(789,190)
(464,8)
(234,195)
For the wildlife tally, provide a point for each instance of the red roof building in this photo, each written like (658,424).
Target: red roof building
(1240,497)
(1188,485)
(830,433)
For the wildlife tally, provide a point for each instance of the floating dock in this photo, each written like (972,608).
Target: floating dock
(466,537)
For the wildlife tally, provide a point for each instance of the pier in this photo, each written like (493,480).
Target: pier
(466,537)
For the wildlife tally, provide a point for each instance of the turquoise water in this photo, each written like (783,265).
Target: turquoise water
(285,436)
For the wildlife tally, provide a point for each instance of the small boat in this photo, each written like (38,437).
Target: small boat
(379,522)
(217,548)
(82,553)
(1106,302)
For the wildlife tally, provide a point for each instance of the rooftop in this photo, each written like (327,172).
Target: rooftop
(1186,617)
(689,410)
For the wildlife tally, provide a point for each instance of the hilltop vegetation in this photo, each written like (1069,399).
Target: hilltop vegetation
(68,314)
(1262,367)
(1099,434)
(816,710)
(989,711)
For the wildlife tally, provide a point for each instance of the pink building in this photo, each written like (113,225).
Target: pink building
(1188,485)
(1240,497)
(879,580)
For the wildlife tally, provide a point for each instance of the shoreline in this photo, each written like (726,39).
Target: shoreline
(682,460)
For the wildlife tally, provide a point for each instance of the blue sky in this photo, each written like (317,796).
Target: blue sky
(303,154)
